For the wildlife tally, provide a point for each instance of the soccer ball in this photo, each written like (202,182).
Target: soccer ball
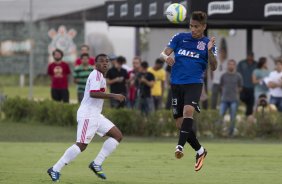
(176,13)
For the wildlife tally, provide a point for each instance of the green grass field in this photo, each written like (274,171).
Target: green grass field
(27,150)
(39,92)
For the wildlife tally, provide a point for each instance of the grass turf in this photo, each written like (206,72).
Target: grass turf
(39,92)
(27,150)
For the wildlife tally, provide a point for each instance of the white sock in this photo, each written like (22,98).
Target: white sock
(108,147)
(201,150)
(69,155)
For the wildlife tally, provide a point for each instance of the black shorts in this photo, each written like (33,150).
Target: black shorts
(60,95)
(185,94)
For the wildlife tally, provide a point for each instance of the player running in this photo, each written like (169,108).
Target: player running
(192,53)
(91,121)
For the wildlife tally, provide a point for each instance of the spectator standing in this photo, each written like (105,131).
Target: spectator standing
(144,82)
(124,65)
(157,90)
(132,75)
(84,49)
(116,79)
(274,83)
(81,74)
(231,84)
(246,68)
(59,72)
(258,75)
(216,75)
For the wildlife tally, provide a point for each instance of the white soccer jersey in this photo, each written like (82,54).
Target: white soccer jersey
(91,107)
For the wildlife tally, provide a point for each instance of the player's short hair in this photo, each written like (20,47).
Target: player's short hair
(58,50)
(144,64)
(199,16)
(100,55)
(84,45)
(121,60)
(159,61)
(261,62)
(84,55)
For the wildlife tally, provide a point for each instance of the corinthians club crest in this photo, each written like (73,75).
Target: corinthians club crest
(201,45)
(63,40)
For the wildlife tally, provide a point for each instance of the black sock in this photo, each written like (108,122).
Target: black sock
(187,134)
(192,139)
(185,130)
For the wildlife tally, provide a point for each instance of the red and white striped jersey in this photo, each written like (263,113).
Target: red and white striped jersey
(91,107)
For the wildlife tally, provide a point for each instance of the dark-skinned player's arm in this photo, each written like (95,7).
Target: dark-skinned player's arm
(211,56)
(166,56)
(103,95)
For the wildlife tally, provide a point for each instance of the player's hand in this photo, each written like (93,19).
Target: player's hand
(170,61)
(119,97)
(211,43)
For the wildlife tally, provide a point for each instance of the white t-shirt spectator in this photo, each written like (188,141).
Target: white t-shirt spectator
(275,77)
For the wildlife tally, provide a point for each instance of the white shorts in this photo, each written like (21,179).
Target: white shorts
(88,127)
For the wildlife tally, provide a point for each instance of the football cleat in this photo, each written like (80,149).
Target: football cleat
(179,152)
(97,169)
(200,160)
(55,176)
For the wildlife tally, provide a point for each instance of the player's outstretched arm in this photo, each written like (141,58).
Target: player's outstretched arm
(103,95)
(211,55)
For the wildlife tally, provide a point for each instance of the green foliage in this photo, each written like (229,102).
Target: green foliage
(47,112)
(268,125)
(206,122)
(18,109)
(131,122)
(128,121)
(160,123)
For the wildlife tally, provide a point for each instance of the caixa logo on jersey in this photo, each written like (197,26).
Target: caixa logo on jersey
(272,9)
(188,53)
(220,7)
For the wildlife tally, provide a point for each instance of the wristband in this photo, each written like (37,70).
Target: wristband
(164,56)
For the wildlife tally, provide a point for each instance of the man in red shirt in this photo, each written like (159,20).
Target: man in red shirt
(84,49)
(132,75)
(59,72)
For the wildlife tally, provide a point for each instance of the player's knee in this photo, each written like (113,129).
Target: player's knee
(81,146)
(119,137)
(188,111)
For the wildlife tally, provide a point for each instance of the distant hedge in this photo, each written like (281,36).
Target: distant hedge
(131,122)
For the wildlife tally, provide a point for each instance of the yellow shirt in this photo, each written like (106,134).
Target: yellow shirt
(159,75)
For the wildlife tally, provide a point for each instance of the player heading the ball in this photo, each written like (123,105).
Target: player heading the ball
(192,53)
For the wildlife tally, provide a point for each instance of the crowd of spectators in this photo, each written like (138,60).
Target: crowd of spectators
(247,81)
